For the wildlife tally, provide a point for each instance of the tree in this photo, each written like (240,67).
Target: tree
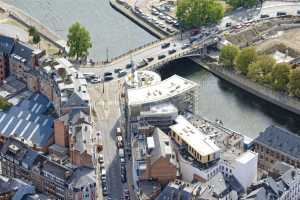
(36,38)
(294,82)
(245,58)
(32,30)
(280,76)
(79,41)
(4,104)
(228,54)
(241,3)
(195,13)
(260,70)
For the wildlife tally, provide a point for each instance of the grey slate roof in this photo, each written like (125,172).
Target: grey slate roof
(55,169)
(27,121)
(6,44)
(281,140)
(83,176)
(22,52)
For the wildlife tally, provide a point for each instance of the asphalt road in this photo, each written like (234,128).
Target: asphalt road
(108,114)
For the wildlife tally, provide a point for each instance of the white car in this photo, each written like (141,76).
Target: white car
(96,80)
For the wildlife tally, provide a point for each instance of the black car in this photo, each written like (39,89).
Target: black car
(264,16)
(171,51)
(165,45)
(107,74)
(141,64)
(117,70)
(123,178)
(280,14)
(228,24)
(161,56)
(108,78)
(150,59)
(129,65)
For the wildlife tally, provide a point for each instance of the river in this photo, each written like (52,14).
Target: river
(238,110)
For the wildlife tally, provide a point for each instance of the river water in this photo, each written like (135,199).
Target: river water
(238,110)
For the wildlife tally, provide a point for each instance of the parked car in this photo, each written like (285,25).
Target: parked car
(165,45)
(95,80)
(108,78)
(171,51)
(121,153)
(118,131)
(123,178)
(119,141)
(228,24)
(117,70)
(107,74)
(280,14)
(161,56)
(264,16)
(100,159)
(129,65)
(185,46)
(122,73)
(150,59)
(298,12)
(170,30)
(141,64)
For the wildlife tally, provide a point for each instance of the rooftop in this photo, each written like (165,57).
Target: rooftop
(142,79)
(194,137)
(160,109)
(280,139)
(168,88)
(28,121)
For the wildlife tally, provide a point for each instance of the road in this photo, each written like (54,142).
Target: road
(108,113)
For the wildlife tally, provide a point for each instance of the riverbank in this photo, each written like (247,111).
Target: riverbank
(28,21)
(286,102)
(126,10)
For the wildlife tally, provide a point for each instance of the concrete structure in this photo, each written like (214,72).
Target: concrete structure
(205,149)
(177,90)
(277,144)
(49,177)
(142,78)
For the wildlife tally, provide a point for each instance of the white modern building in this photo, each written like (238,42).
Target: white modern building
(142,78)
(175,89)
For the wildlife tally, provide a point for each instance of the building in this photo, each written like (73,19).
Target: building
(153,158)
(6,45)
(201,147)
(160,115)
(285,187)
(15,189)
(142,78)
(277,144)
(205,149)
(58,181)
(29,122)
(176,90)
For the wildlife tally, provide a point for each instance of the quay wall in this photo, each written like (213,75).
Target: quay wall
(29,21)
(126,11)
(280,99)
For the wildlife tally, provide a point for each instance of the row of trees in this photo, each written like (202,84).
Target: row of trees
(195,13)
(261,68)
(36,38)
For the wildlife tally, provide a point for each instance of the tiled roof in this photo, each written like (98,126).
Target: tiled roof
(281,140)
(6,44)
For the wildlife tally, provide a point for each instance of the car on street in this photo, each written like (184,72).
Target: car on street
(228,24)
(95,80)
(117,70)
(298,12)
(118,131)
(142,63)
(161,56)
(123,178)
(264,16)
(107,74)
(129,65)
(121,153)
(280,14)
(149,59)
(170,30)
(165,45)
(100,159)
(171,51)
(122,73)
(108,78)
(119,141)
(185,46)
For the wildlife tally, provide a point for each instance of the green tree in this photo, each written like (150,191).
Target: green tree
(4,104)
(195,13)
(294,82)
(79,41)
(36,38)
(241,3)
(260,70)
(280,76)
(32,30)
(228,54)
(245,58)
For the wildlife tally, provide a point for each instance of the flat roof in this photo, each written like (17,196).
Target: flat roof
(246,157)
(194,137)
(170,87)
